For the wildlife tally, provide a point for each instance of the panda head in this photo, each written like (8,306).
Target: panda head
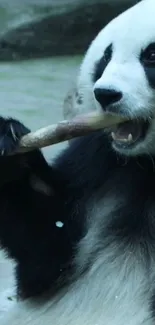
(117,75)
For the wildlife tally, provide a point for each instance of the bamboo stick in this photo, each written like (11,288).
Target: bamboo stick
(68,129)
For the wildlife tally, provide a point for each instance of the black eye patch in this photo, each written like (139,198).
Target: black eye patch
(102,63)
(147,59)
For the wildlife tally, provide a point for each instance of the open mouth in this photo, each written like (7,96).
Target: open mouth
(128,134)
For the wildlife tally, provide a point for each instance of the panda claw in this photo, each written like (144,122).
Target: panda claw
(11,131)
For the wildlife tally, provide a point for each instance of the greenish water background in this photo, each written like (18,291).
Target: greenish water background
(33,91)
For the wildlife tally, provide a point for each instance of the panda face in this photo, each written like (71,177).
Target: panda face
(118,76)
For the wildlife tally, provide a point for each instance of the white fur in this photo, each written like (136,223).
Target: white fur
(114,292)
(129,33)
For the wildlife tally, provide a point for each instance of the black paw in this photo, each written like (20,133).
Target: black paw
(11,131)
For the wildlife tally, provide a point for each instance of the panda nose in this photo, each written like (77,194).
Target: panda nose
(107,96)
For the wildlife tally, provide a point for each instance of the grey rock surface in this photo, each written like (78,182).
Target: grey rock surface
(65,32)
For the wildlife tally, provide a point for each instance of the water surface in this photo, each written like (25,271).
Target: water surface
(33,91)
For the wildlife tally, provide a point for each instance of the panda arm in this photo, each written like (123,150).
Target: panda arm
(28,217)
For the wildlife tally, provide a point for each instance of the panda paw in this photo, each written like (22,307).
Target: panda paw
(11,131)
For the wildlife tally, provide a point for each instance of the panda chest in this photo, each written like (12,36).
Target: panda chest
(117,287)
(115,291)
(113,284)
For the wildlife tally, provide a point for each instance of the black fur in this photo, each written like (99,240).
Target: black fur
(102,63)
(87,168)
(148,61)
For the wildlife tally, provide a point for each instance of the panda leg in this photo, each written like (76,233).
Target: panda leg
(28,216)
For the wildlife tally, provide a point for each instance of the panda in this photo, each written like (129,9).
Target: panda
(84,241)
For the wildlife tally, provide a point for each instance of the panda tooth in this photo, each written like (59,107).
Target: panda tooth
(113,135)
(130,137)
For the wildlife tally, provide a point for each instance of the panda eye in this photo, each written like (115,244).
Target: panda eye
(102,63)
(107,54)
(148,56)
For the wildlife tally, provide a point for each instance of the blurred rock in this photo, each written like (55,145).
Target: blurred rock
(66,32)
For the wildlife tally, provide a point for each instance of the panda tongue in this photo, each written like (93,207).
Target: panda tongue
(128,131)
